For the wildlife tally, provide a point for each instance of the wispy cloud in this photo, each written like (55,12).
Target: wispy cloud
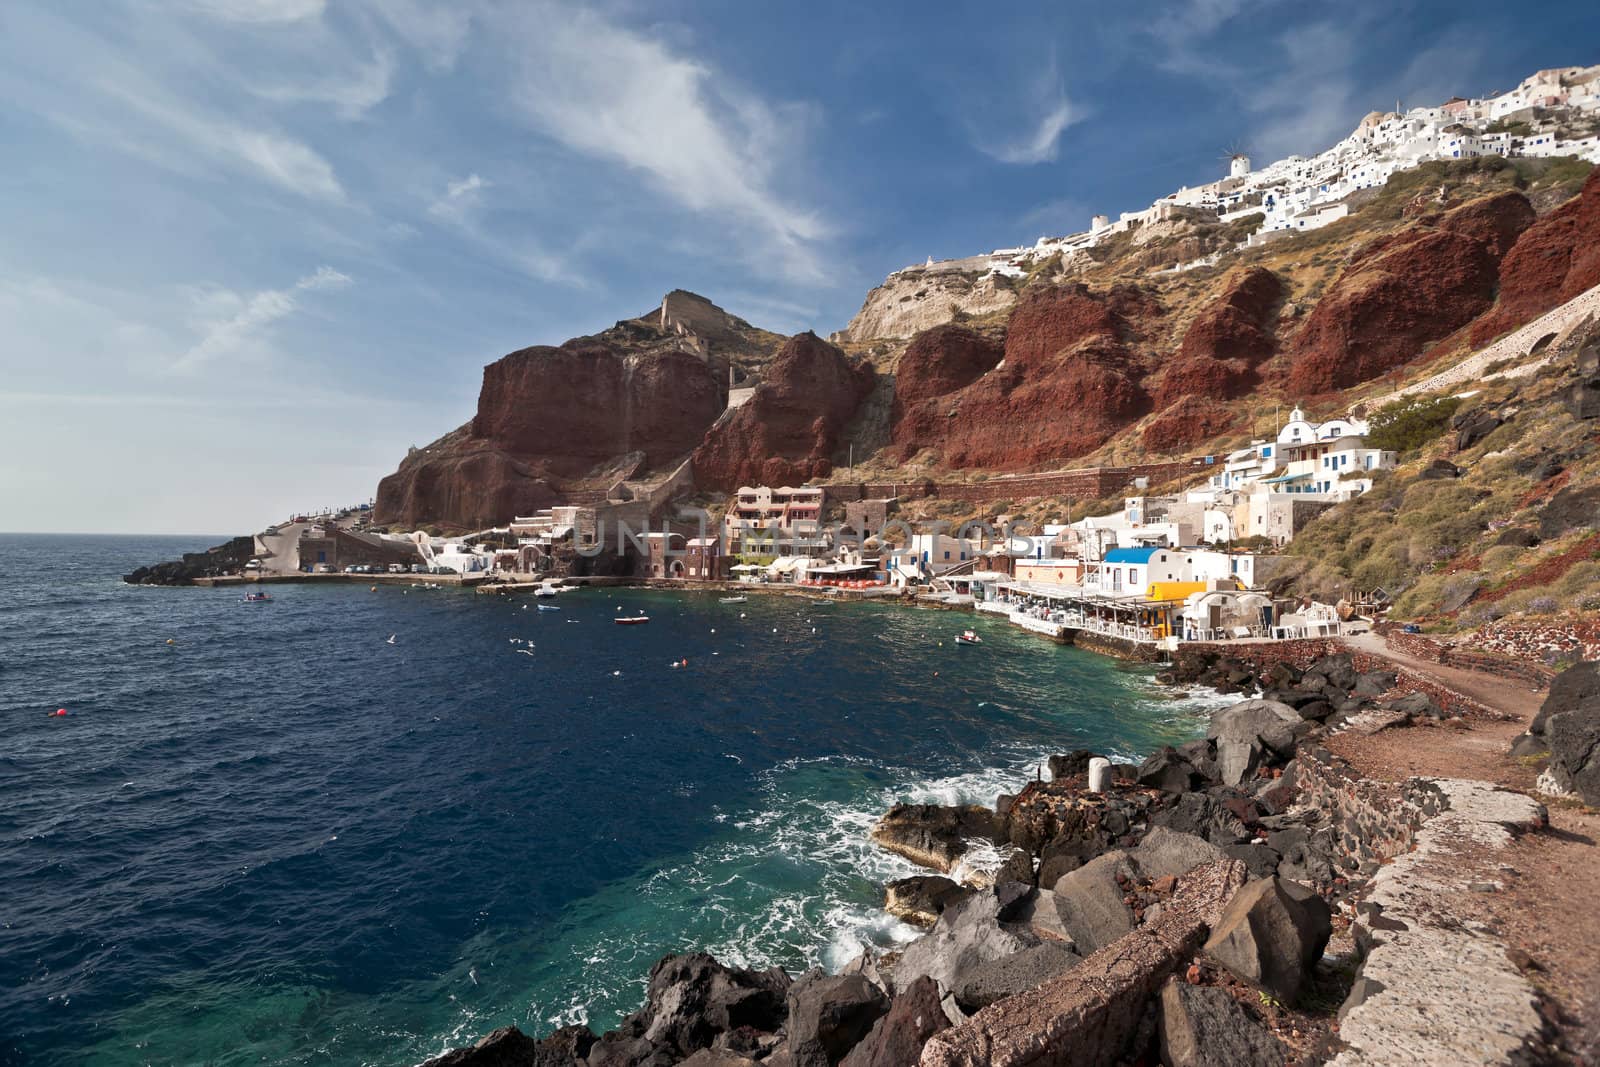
(258,11)
(231,324)
(600,89)
(438,31)
(92,88)
(459,197)
(1040,112)
(352,97)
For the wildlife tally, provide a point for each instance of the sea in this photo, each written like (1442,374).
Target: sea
(361,825)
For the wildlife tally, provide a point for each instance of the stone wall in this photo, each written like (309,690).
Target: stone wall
(1090,483)
(1421,646)
(1373,821)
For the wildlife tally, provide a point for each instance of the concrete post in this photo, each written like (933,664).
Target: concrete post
(1099,774)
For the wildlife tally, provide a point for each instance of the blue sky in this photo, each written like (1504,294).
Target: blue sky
(252,249)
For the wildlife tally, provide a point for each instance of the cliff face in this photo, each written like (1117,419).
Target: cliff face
(1405,292)
(1068,381)
(584,404)
(786,433)
(548,417)
(1553,260)
(1227,341)
(557,422)
(915,300)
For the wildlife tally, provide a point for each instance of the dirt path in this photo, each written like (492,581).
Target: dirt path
(1502,694)
(1542,901)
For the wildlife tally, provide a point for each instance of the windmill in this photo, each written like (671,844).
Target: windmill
(1237,156)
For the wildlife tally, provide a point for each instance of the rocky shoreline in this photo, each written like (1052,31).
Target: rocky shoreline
(1179,912)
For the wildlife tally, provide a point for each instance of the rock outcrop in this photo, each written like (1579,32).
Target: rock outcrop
(226,558)
(1226,342)
(1068,382)
(549,415)
(1186,422)
(917,299)
(1404,292)
(788,430)
(1553,260)
(558,422)
(939,362)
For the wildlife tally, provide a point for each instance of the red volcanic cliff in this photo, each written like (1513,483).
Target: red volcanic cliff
(586,403)
(1405,292)
(788,430)
(1554,260)
(546,415)
(1068,382)
(1226,342)
(1186,422)
(940,361)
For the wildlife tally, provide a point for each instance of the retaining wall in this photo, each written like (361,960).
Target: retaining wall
(1373,821)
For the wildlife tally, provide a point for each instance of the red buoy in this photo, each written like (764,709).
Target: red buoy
(61,711)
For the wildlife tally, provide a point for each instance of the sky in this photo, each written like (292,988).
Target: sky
(252,250)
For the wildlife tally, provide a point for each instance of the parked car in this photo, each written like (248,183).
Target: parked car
(253,565)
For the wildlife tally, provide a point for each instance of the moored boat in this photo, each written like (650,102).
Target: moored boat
(631,620)
(968,637)
(255,597)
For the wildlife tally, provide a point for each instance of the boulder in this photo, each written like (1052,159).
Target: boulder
(829,1015)
(1164,852)
(1238,761)
(1439,469)
(1038,912)
(1575,507)
(1338,669)
(1075,763)
(1573,689)
(1473,426)
(691,1000)
(967,934)
(1260,861)
(1204,1026)
(1529,746)
(1010,975)
(1271,934)
(1201,754)
(1574,738)
(1167,771)
(934,835)
(1204,816)
(897,1038)
(1417,704)
(505,1047)
(1266,722)
(1090,901)
(921,899)
(1374,683)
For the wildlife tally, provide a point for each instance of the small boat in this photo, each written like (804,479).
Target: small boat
(256,597)
(545,590)
(548,607)
(968,637)
(734,599)
(631,620)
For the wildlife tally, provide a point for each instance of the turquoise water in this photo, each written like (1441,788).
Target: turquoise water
(283,840)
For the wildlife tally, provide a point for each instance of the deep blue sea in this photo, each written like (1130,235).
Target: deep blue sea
(282,840)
